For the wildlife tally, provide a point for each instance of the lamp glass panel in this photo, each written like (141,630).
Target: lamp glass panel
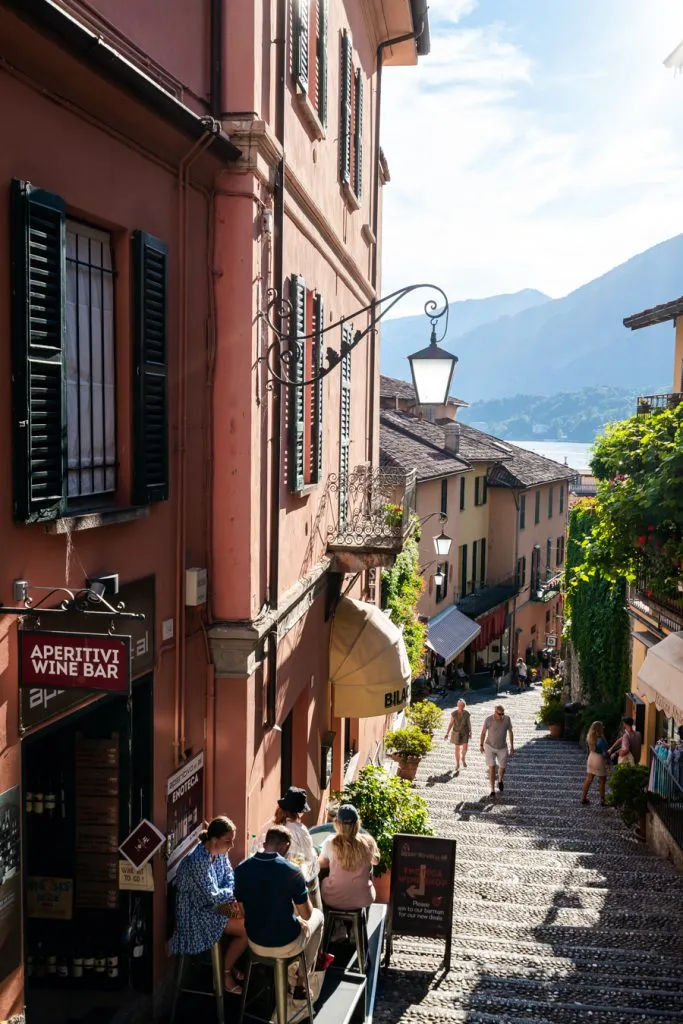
(438,578)
(432,378)
(442,545)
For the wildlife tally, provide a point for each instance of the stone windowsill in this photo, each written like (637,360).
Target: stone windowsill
(368,235)
(313,123)
(350,197)
(94,518)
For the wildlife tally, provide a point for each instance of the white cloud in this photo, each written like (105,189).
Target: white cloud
(509,172)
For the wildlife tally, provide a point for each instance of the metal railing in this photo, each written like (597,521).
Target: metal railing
(665,797)
(671,601)
(487,595)
(379,505)
(546,584)
(658,403)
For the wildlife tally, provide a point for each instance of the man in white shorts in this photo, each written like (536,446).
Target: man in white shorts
(493,745)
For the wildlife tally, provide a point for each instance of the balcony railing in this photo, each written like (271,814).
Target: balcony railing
(658,403)
(378,505)
(665,797)
(487,596)
(662,605)
(547,585)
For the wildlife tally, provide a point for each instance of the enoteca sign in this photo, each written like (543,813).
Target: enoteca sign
(74,661)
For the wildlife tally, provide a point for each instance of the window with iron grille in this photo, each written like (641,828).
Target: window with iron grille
(64,392)
(90,362)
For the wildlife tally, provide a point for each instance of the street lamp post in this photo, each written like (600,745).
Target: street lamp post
(432,367)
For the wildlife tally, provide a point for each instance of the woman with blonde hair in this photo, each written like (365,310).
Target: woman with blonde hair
(596,766)
(460,731)
(349,857)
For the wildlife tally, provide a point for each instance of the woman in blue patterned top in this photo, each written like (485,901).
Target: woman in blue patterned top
(206,908)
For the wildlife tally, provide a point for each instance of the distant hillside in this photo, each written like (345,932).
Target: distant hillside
(570,343)
(567,416)
(408,334)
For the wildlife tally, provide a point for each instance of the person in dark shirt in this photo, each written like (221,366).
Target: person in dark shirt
(278,915)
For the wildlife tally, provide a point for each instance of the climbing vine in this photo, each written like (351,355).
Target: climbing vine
(402,586)
(598,623)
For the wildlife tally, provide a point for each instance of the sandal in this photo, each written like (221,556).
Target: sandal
(234,989)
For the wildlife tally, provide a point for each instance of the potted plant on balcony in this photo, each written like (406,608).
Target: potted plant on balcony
(426,716)
(387,806)
(408,746)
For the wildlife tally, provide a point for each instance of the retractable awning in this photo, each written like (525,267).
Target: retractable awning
(450,632)
(660,679)
(369,667)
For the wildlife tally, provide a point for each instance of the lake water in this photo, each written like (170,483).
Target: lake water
(577,454)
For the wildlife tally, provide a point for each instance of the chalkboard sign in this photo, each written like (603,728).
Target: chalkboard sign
(421,901)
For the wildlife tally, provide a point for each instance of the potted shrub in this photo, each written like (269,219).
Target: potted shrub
(627,785)
(426,716)
(552,715)
(408,746)
(387,805)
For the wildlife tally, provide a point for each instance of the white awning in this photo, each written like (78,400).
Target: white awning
(450,632)
(660,679)
(369,667)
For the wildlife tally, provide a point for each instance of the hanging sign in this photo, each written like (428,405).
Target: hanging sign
(142,843)
(184,810)
(134,879)
(421,901)
(74,661)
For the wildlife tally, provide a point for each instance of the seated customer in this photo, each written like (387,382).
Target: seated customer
(279,917)
(206,908)
(349,857)
(302,853)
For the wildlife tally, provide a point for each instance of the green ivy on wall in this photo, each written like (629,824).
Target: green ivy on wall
(402,587)
(598,623)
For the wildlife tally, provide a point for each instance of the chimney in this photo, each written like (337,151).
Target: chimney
(451,437)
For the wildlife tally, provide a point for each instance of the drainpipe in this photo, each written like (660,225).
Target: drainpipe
(276,401)
(217,58)
(375,217)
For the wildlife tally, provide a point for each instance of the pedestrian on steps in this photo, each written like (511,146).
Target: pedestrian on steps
(460,731)
(493,745)
(596,766)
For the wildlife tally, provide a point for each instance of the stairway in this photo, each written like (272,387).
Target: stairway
(560,915)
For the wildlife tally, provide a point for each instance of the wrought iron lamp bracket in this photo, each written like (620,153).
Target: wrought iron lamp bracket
(282,362)
(75,600)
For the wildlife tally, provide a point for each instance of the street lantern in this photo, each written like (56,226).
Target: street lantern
(442,545)
(432,369)
(439,577)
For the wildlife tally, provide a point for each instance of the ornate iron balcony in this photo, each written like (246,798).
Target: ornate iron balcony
(487,596)
(657,403)
(547,585)
(373,518)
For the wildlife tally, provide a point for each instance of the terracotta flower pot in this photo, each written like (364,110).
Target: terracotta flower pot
(555,731)
(407,766)
(382,884)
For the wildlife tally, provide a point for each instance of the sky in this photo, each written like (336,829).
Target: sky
(539,145)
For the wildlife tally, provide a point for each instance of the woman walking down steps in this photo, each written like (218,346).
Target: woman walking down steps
(546,891)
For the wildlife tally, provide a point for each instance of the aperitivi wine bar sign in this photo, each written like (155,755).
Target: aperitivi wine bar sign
(74,661)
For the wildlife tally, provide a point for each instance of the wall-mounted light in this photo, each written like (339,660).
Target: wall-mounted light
(439,578)
(442,545)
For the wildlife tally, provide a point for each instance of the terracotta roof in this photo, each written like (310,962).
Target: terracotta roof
(391,387)
(410,443)
(657,315)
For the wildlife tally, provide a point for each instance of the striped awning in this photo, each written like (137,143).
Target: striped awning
(450,632)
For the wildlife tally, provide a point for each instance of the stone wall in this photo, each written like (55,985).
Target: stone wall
(660,840)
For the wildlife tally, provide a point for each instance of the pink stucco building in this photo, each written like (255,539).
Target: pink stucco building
(165,166)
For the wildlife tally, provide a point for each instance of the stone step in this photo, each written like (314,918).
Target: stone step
(482,893)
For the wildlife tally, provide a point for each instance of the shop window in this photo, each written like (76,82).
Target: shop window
(310,20)
(64,361)
(306,404)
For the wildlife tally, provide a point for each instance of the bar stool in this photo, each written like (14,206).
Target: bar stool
(279,965)
(357,919)
(185,961)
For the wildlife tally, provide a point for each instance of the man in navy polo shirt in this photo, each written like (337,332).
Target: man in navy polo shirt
(279,917)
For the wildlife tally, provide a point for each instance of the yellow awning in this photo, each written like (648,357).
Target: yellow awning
(660,679)
(369,668)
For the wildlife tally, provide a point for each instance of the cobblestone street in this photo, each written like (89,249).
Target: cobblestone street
(560,914)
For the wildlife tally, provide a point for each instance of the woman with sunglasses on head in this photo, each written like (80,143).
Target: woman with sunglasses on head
(206,908)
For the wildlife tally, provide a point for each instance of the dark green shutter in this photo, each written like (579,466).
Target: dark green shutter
(486,490)
(318,363)
(297,345)
(300,47)
(38,344)
(476,490)
(323,19)
(345,425)
(482,561)
(358,141)
(345,122)
(475,546)
(150,369)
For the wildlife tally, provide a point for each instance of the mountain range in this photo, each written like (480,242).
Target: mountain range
(529,344)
